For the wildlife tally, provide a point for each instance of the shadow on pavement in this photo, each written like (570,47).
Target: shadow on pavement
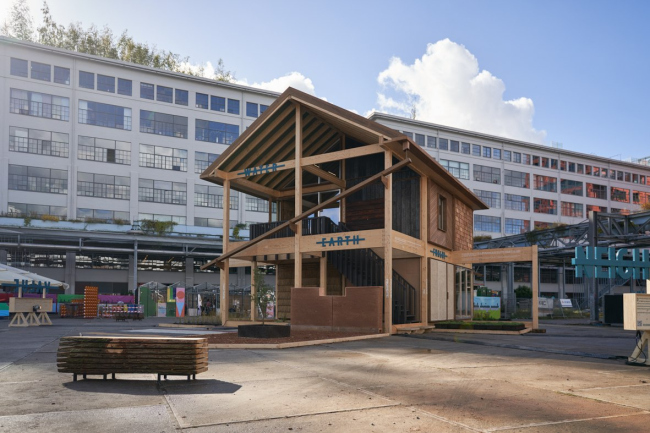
(150,387)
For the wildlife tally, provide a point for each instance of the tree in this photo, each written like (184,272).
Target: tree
(523,292)
(20,24)
(100,42)
(264,294)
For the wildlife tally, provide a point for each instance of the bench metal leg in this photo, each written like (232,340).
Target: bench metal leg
(105,376)
(165,377)
(74,377)
(194,376)
(159,379)
(113,374)
(84,376)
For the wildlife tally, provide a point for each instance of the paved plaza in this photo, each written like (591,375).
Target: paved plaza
(572,379)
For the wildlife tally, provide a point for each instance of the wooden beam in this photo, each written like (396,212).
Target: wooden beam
(535,280)
(256,187)
(323,274)
(324,175)
(253,291)
(297,268)
(388,246)
(424,260)
(224,273)
(323,205)
(321,187)
(343,154)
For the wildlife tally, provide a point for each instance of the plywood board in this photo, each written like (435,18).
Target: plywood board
(497,255)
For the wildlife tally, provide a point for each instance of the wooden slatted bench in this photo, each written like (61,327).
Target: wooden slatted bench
(110,355)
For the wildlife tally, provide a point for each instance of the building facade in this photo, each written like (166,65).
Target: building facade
(85,137)
(528,186)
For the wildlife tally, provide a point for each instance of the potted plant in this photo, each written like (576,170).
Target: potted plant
(264,294)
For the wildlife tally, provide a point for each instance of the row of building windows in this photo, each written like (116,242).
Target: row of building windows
(522,158)
(493,273)
(122,86)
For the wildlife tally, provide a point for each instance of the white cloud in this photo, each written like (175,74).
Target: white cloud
(206,70)
(445,86)
(280,84)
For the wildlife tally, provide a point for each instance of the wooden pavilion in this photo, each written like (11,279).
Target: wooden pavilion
(388,260)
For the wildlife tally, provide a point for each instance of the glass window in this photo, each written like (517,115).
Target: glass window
(635,177)
(554,164)
(263,108)
(103,150)
(516,157)
(640,197)
(19,67)
(201,101)
(157,217)
(252,109)
(496,154)
(490,198)
(182,97)
(484,223)
(419,140)
(620,211)
(507,155)
(38,142)
(443,144)
(465,148)
(124,87)
(254,204)
(580,169)
(203,160)
(536,161)
(61,75)
(459,170)
(103,186)
(106,115)
(431,142)
(487,152)
(165,158)
(215,132)
(525,159)
(571,167)
(487,174)
(442,213)
(105,83)
(41,71)
(620,175)
(28,209)
(545,162)
(588,170)
(517,226)
(597,191)
(233,106)
(146,91)
(518,179)
(612,175)
(408,134)
(620,194)
(591,207)
(476,150)
(545,183)
(217,103)
(596,171)
(39,105)
(454,146)
(572,209)
(546,206)
(86,80)
(36,179)
(164,94)
(108,216)
(572,187)
(517,202)
(163,124)
(160,191)
(212,196)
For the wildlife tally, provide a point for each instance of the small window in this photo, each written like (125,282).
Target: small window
(496,154)
(41,71)
(233,106)
(431,142)
(164,94)
(443,144)
(454,146)
(487,152)
(217,103)
(201,101)
(146,91)
(263,108)
(507,155)
(251,109)
(124,87)
(442,213)
(105,83)
(19,67)
(181,97)
(61,75)
(419,140)
(476,150)
(86,80)
(465,148)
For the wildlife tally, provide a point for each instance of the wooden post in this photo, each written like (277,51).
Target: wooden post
(253,291)
(388,246)
(297,276)
(424,261)
(535,279)
(224,276)
(323,274)
(343,203)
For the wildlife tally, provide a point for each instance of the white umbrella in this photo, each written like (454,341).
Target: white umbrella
(9,274)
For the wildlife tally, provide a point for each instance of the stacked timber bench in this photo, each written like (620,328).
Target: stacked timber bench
(155,355)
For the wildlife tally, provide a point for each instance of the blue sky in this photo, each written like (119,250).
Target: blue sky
(582,65)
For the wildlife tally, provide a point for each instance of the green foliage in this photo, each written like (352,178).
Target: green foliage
(157,227)
(263,293)
(523,292)
(27,220)
(236,230)
(120,222)
(52,218)
(100,42)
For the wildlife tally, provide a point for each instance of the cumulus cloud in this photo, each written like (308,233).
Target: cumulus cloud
(280,84)
(445,86)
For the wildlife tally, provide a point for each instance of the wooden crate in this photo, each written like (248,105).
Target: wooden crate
(109,355)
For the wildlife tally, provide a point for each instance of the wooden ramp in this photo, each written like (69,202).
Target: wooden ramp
(163,356)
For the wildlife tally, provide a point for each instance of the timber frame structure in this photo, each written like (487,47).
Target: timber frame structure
(403,217)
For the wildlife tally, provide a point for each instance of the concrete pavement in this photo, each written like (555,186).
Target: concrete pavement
(433,383)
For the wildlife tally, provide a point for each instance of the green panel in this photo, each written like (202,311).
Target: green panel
(171,309)
(63,299)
